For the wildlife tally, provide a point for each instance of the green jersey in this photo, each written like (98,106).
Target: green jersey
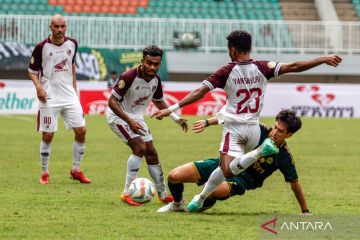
(254,176)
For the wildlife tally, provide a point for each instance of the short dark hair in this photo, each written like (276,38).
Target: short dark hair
(152,50)
(113,72)
(240,40)
(289,117)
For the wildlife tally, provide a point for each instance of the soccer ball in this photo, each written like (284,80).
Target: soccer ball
(187,39)
(142,190)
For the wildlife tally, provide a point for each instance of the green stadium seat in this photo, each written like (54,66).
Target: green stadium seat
(197,9)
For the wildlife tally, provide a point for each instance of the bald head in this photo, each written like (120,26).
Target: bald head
(58,29)
(57,18)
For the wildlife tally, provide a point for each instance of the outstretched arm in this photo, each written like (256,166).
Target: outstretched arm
(200,125)
(179,120)
(296,187)
(192,97)
(300,66)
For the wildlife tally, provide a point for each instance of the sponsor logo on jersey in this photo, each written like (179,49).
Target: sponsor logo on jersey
(60,67)
(271,64)
(140,101)
(121,84)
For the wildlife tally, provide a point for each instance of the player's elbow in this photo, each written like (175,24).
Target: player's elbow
(111,102)
(200,92)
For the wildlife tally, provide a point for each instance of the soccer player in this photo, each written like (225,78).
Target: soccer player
(52,70)
(127,105)
(244,81)
(287,123)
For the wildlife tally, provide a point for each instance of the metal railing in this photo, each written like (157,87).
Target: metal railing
(135,33)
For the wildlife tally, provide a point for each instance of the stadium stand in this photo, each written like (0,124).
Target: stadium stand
(202,9)
(346,10)
(356,4)
(267,20)
(299,10)
(185,9)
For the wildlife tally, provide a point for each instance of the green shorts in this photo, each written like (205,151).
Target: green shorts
(204,168)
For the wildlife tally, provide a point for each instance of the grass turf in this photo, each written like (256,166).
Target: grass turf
(326,152)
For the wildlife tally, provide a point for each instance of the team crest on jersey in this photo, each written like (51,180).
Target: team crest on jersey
(68,52)
(137,88)
(50,54)
(121,84)
(153,89)
(271,64)
(32,60)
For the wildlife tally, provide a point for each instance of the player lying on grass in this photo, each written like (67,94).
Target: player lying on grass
(287,123)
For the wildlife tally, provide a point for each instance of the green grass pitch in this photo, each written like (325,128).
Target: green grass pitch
(326,152)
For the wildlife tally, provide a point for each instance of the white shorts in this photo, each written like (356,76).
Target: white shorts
(123,131)
(238,139)
(48,117)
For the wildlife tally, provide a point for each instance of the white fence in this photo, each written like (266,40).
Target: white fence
(135,33)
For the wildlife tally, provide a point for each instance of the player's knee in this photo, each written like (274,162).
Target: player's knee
(151,153)
(174,176)
(139,149)
(47,137)
(80,132)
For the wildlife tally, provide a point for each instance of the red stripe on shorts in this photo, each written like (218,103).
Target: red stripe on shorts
(123,132)
(38,121)
(226,143)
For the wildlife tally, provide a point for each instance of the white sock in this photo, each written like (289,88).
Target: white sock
(241,163)
(45,152)
(157,175)
(133,166)
(215,179)
(78,151)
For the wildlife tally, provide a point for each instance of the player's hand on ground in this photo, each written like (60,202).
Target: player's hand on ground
(161,113)
(183,123)
(41,94)
(199,126)
(333,60)
(137,127)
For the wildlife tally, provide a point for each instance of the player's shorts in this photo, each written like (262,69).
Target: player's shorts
(72,115)
(204,168)
(123,131)
(238,139)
